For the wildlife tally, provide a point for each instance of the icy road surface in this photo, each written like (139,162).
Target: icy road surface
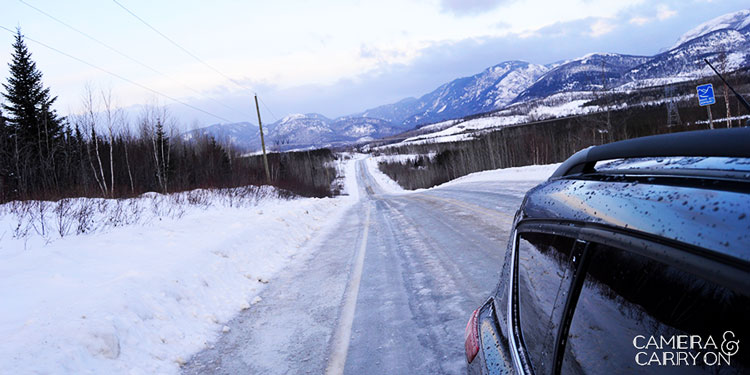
(388,293)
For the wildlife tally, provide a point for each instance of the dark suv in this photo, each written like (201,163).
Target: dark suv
(634,257)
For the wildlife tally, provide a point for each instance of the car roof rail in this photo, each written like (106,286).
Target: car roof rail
(732,142)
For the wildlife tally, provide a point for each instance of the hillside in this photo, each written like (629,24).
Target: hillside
(516,88)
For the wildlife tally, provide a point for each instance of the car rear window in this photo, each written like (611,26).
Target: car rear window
(637,315)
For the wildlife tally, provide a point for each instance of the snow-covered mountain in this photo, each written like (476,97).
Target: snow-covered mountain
(735,21)
(359,128)
(517,81)
(491,89)
(299,131)
(725,41)
(241,134)
(594,71)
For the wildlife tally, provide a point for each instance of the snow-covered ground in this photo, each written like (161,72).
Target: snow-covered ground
(453,133)
(573,107)
(385,182)
(439,126)
(527,173)
(140,296)
(517,174)
(142,284)
(722,121)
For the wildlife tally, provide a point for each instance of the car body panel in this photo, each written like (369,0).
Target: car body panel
(715,220)
(662,205)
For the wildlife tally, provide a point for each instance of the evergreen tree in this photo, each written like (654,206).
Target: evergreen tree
(5,159)
(36,130)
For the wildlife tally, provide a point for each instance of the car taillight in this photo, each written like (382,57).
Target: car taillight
(472,337)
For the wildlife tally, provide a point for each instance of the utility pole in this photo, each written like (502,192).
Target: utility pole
(262,142)
(673,115)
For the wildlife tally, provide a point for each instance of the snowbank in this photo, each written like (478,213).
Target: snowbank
(528,173)
(140,298)
(388,185)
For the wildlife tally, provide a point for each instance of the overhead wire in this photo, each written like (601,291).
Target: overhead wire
(119,76)
(128,57)
(268,109)
(180,47)
(170,40)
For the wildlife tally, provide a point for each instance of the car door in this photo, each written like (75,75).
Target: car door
(645,307)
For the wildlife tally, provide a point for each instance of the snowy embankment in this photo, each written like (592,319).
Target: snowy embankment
(140,293)
(530,173)
(388,185)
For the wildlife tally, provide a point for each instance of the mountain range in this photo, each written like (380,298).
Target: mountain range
(725,39)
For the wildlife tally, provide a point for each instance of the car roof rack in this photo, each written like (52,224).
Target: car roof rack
(733,142)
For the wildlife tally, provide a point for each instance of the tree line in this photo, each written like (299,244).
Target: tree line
(97,153)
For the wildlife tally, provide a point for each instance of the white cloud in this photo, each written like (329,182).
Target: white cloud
(664,12)
(640,21)
(529,34)
(601,27)
(466,7)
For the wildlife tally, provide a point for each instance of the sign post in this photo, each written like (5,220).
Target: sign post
(706,98)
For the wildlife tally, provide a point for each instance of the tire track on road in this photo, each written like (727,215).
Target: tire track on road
(343,332)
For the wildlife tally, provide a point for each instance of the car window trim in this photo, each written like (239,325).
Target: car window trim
(569,309)
(518,352)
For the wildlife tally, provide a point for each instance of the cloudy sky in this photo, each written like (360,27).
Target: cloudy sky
(333,57)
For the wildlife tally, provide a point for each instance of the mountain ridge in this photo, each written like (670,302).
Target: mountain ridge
(513,82)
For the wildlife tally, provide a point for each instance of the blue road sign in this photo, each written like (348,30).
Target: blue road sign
(706,94)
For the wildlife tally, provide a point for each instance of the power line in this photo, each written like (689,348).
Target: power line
(181,47)
(268,109)
(239,84)
(119,76)
(125,55)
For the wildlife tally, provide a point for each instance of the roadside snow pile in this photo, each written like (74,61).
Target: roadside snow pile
(385,182)
(141,294)
(528,173)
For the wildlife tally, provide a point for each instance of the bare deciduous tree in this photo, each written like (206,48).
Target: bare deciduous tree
(110,112)
(88,121)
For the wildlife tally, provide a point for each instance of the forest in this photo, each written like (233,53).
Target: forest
(100,153)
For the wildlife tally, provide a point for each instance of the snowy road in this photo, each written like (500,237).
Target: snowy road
(389,292)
